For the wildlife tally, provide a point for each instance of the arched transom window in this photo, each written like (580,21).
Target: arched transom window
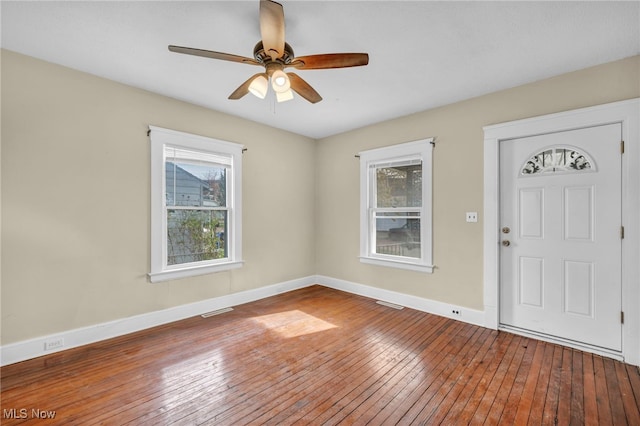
(557,159)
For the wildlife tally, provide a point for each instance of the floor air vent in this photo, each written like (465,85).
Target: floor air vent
(390,305)
(218,312)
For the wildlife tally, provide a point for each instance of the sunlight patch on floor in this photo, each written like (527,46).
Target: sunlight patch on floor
(293,323)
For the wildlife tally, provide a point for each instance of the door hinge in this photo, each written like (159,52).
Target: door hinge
(621,317)
(622,232)
(621,147)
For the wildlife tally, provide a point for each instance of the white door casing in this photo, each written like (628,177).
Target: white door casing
(627,114)
(561,218)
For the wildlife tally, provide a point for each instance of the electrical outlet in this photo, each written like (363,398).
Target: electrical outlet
(456,312)
(52,344)
(472,216)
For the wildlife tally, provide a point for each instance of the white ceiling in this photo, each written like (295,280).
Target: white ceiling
(423,54)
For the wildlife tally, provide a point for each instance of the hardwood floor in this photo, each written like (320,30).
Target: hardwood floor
(320,356)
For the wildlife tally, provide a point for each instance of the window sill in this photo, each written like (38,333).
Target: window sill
(174,274)
(398,264)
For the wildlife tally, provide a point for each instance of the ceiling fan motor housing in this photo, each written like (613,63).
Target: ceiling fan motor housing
(272,65)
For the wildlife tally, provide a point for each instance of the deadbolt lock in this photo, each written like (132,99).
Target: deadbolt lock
(506,230)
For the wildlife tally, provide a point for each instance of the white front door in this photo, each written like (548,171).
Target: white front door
(561,235)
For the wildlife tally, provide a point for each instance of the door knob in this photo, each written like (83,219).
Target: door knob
(506,243)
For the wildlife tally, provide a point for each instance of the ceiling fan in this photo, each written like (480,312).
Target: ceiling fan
(275,55)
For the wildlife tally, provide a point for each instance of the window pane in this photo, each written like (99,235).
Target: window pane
(399,186)
(557,160)
(393,220)
(398,237)
(196,235)
(197,185)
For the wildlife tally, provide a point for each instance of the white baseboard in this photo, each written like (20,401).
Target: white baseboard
(33,348)
(467,315)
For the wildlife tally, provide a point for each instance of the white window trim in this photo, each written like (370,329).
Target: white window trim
(160,137)
(423,149)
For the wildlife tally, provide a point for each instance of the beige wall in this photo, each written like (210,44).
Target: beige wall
(75,194)
(75,200)
(458,179)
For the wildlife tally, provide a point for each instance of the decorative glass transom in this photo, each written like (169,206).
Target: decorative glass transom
(559,159)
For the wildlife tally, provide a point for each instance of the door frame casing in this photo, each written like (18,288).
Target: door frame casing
(628,114)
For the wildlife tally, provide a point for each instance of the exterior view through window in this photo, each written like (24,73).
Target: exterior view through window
(196,202)
(397,210)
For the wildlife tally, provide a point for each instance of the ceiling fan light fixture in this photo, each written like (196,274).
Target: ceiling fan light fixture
(284,96)
(259,87)
(280,81)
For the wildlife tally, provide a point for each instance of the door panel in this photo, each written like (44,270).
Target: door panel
(561,272)
(531,208)
(578,213)
(578,288)
(531,279)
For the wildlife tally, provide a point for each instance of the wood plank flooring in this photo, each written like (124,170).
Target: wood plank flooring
(322,357)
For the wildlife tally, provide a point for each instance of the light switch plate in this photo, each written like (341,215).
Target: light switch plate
(472,216)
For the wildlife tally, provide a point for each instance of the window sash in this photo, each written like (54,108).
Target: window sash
(374,182)
(209,162)
(228,236)
(165,243)
(374,211)
(412,214)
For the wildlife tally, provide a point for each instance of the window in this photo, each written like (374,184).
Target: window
(195,205)
(395,206)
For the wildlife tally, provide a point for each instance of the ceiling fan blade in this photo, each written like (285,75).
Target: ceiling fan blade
(244,87)
(303,88)
(330,60)
(272,28)
(213,55)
